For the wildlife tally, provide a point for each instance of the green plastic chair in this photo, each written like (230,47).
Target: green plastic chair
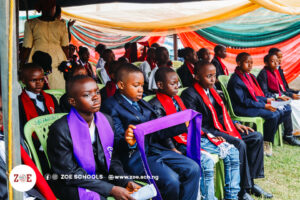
(255,71)
(56,93)
(100,86)
(99,75)
(176,63)
(137,63)
(40,125)
(258,121)
(149,97)
(180,90)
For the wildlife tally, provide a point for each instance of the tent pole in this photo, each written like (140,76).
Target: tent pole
(175,46)
(9,82)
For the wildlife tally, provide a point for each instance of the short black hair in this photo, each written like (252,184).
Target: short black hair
(100,48)
(201,52)
(127,45)
(151,50)
(219,47)
(125,69)
(43,59)
(161,73)
(82,50)
(183,53)
(155,45)
(274,50)
(267,57)
(30,66)
(242,57)
(71,82)
(200,65)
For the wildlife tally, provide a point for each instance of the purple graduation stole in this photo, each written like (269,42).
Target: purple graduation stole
(193,138)
(83,148)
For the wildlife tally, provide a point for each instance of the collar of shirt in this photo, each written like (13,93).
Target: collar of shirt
(206,91)
(81,62)
(129,101)
(39,103)
(92,132)
(31,95)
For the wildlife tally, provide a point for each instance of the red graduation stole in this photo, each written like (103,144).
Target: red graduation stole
(106,69)
(190,66)
(256,86)
(110,88)
(152,64)
(170,108)
(41,183)
(225,70)
(277,74)
(273,82)
(230,128)
(29,108)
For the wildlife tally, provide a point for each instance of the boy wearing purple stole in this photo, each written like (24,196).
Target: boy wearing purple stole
(81,148)
(178,175)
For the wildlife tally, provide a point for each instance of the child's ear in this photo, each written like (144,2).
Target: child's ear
(239,63)
(72,101)
(120,85)
(160,85)
(197,78)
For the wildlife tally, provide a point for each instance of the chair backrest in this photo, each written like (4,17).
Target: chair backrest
(100,86)
(137,63)
(255,71)
(223,79)
(40,125)
(177,63)
(180,90)
(99,75)
(149,97)
(175,69)
(56,93)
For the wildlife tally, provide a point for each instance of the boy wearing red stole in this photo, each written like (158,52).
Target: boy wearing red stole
(167,102)
(81,148)
(34,102)
(249,99)
(203,98)
(271,84)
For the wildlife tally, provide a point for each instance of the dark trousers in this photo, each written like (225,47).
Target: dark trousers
(178,175)
(272,120)
(286,118)
(251,156)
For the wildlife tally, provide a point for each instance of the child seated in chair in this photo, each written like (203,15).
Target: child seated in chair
(249,99)
(108,57)
(178,176)
(69,69)
(82,143)
(203,98)
(34,102)
(167,102)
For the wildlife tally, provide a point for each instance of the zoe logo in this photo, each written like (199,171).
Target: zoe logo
(22,178)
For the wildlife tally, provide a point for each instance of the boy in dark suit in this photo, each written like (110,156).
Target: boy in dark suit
(220,53)
(81,144)
(179,176)
(34,102)
(203,98)
(249,100)
(167,102)
(186,71)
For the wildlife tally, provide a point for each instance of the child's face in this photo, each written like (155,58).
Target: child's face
(80,71)
(34,80)
(132,86)
(192,57)
(279,56)
(85,56)
(71,50)
(170,85)
(86,97)
(222,53)
(207,76)
(246,64)
(163,57)
(272,62)
(109,57)
(206,55)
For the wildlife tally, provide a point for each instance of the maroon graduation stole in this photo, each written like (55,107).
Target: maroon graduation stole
(190,66)
(110,88)
(170,108)
(277,74)
(256,86)
(273,82)
(225,70)
(29,108)
(230,128)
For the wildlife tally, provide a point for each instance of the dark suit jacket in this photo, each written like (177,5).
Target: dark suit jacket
(185,76)
(218,65)
(262,79)
(286,85)
(194,101)
(124,114)
(240,96)
(61,156)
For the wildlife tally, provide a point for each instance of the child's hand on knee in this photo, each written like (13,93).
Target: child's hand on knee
(129,136)
(176,151)
(132,187)
(120,193)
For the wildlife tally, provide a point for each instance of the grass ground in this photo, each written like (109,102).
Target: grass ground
(282,173)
